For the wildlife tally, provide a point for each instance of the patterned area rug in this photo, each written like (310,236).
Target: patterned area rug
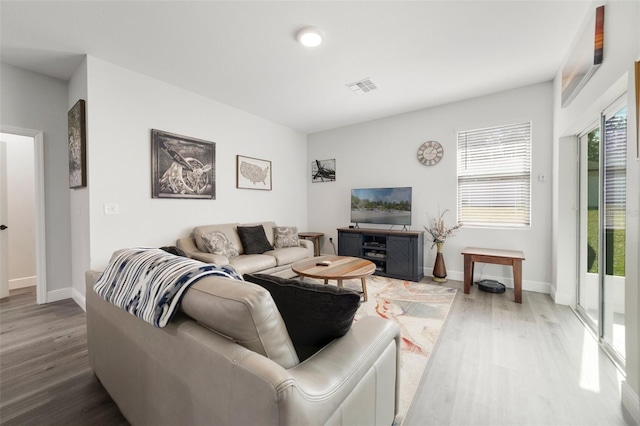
(421,310)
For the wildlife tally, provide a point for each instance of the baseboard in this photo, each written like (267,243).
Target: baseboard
(55,295)
(79,299)
(536,286)
(67,293)
(22,282)
(630,402)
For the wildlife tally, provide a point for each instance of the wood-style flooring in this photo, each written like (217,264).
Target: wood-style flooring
(495,363)
(45,377)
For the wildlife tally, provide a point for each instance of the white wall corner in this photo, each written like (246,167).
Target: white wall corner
(79,299)
(630,404)
(55,295)
(67,293)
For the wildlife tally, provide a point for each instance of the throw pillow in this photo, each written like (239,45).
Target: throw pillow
(285,236)
(314,314)
(253,239)
(218,243)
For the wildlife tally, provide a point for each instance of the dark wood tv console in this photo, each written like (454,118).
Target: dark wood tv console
(397,254)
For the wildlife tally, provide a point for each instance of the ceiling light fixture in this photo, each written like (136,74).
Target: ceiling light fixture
(309,36)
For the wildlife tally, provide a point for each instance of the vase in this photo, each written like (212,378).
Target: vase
(439,270)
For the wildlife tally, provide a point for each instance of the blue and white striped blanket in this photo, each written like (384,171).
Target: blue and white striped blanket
(149,283)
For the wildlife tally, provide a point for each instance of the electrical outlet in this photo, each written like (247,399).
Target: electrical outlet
(110,209)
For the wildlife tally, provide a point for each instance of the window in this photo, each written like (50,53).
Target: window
(494,176)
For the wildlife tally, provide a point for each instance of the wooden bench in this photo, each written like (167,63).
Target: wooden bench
(500,257)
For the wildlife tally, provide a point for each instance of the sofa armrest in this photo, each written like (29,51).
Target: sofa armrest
(319,387)
(307,244)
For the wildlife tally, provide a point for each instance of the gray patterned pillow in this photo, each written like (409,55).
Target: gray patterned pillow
(218,243)
(285,236)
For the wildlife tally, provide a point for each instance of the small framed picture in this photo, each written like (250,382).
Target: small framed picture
(76,128)
(253,173)
(323,170)
(182,167)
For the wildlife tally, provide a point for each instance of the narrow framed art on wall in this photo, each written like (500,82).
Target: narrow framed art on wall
(253,173)
(323,170)
(182,167)
(77,131)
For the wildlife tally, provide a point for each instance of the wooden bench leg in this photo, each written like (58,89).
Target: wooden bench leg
(468,273)
(517,280)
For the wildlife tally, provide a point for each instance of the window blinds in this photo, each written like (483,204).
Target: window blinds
(494,176)
(615,170)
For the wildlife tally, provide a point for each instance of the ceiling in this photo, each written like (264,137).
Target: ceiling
(244,54)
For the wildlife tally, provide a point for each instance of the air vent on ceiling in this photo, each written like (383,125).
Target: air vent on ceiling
(362,86)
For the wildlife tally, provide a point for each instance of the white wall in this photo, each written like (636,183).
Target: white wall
(611,80)
(122,108)
(21,210)
(382,153)
(79,198)
(36,102)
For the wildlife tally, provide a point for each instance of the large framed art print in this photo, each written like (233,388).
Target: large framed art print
(182,167)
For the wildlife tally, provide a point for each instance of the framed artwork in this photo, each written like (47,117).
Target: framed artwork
(584,59)
(323,170)
(182,167)
(253,173)
(76,128)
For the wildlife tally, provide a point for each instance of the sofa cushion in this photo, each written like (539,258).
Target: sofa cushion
(243,312)
(287,255)
(249,263)
(285,236)
(314,314)
(218,243)
(254,240)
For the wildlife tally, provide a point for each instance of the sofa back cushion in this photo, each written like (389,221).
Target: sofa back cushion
(231,231)
(244,312)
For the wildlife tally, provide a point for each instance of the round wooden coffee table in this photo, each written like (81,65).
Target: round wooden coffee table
(341,268)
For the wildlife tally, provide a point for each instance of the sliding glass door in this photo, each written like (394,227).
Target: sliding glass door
(601,276)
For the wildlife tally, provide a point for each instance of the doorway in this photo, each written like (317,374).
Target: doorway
(30,226)
(602,222)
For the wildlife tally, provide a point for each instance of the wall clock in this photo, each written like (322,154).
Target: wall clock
(430,153)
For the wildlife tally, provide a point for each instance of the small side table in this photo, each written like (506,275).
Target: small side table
(315,236)
(500,257)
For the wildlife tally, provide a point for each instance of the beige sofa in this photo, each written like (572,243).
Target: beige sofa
(277,261)
(226,359)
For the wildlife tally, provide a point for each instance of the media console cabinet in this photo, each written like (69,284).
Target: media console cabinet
(396,254)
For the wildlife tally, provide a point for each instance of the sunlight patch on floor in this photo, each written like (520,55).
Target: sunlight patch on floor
(590,368)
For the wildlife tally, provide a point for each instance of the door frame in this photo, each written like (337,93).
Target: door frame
(40,234)
(597,330)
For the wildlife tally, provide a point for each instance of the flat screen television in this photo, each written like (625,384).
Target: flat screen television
(384,206)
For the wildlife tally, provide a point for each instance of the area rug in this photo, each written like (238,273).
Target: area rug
(421,310)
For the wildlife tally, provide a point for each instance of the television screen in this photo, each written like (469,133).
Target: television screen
(391,206)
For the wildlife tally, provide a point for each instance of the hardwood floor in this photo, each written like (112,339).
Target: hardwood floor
(45,377)
(496,363)
(502,363)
